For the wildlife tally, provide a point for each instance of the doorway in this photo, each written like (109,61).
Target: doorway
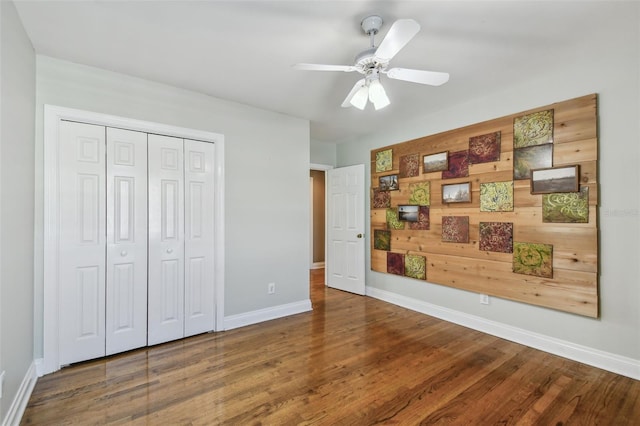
(318,217)
(317,228)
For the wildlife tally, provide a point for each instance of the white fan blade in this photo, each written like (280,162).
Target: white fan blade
(400,33)
(356,94)
(320,67)
(432,78)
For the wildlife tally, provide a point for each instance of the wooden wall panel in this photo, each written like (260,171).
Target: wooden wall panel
(574,283)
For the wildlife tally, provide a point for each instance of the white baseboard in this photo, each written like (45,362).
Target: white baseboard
(605,360)
(19,403)
(317,265)
(254,317)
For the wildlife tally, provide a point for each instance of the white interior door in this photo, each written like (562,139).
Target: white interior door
(345,256)
(166,239)
(82,254)
(199,188)
(126,285)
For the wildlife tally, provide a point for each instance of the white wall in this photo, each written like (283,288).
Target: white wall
(17,109)
(609,67)
(266,176)
(323,153)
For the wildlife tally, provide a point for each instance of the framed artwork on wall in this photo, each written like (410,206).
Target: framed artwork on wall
(382,239)
(456,193)
(533,259)
(384,160)
(533,129)
(496,236)
(395,263)
(409,165)
(484,148)
(555,179)
(408,213)
(455,229)
(380,199)
(530,158)
(435,162)
(566,207)
(496,196)
(388,183)
(420,193)
(458,165)
(392,219)
(415,266)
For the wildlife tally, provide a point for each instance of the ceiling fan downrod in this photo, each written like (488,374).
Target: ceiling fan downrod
(371,25)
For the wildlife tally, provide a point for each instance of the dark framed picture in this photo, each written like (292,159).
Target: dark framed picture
(555,179)
(531,158)
(456,193)
(435,162)
(408,213)
(388,183)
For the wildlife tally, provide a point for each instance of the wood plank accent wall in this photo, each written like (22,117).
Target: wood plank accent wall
(574,285)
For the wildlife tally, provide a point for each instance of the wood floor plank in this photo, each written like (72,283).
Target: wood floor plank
(354,360)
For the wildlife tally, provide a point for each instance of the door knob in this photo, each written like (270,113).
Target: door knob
(123,253)
(169,250)
(359,235)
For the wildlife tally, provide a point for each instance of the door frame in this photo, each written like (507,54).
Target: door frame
(53,115)
(323,168)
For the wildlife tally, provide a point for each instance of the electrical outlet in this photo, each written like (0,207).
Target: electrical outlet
(484,299)
(271,288)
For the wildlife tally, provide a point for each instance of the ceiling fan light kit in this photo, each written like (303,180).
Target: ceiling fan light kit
(359,98)
(374,61)
(377,94)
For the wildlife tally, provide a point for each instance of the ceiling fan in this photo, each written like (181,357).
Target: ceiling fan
(374,61)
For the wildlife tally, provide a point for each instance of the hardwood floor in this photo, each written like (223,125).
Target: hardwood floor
(354,360)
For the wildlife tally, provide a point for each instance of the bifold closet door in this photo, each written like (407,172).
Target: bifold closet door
(82,253)
(166,239)
(103,241)
(181,238)
(126,286)
(199,237)
(136,240)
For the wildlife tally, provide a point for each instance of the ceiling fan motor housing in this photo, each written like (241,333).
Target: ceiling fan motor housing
(366,61)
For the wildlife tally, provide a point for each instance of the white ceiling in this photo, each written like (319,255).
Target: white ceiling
(243,50)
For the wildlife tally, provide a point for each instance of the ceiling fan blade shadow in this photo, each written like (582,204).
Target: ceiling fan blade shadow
(432,78)
(321,67)
(361,94)
(400,33)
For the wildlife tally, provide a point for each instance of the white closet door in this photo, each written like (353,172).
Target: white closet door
(126,286)
(82,242)
(166,239)
(199,227)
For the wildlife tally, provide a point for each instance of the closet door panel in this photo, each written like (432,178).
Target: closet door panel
(82,242)
(126,311)
(199,234)
(166,239)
